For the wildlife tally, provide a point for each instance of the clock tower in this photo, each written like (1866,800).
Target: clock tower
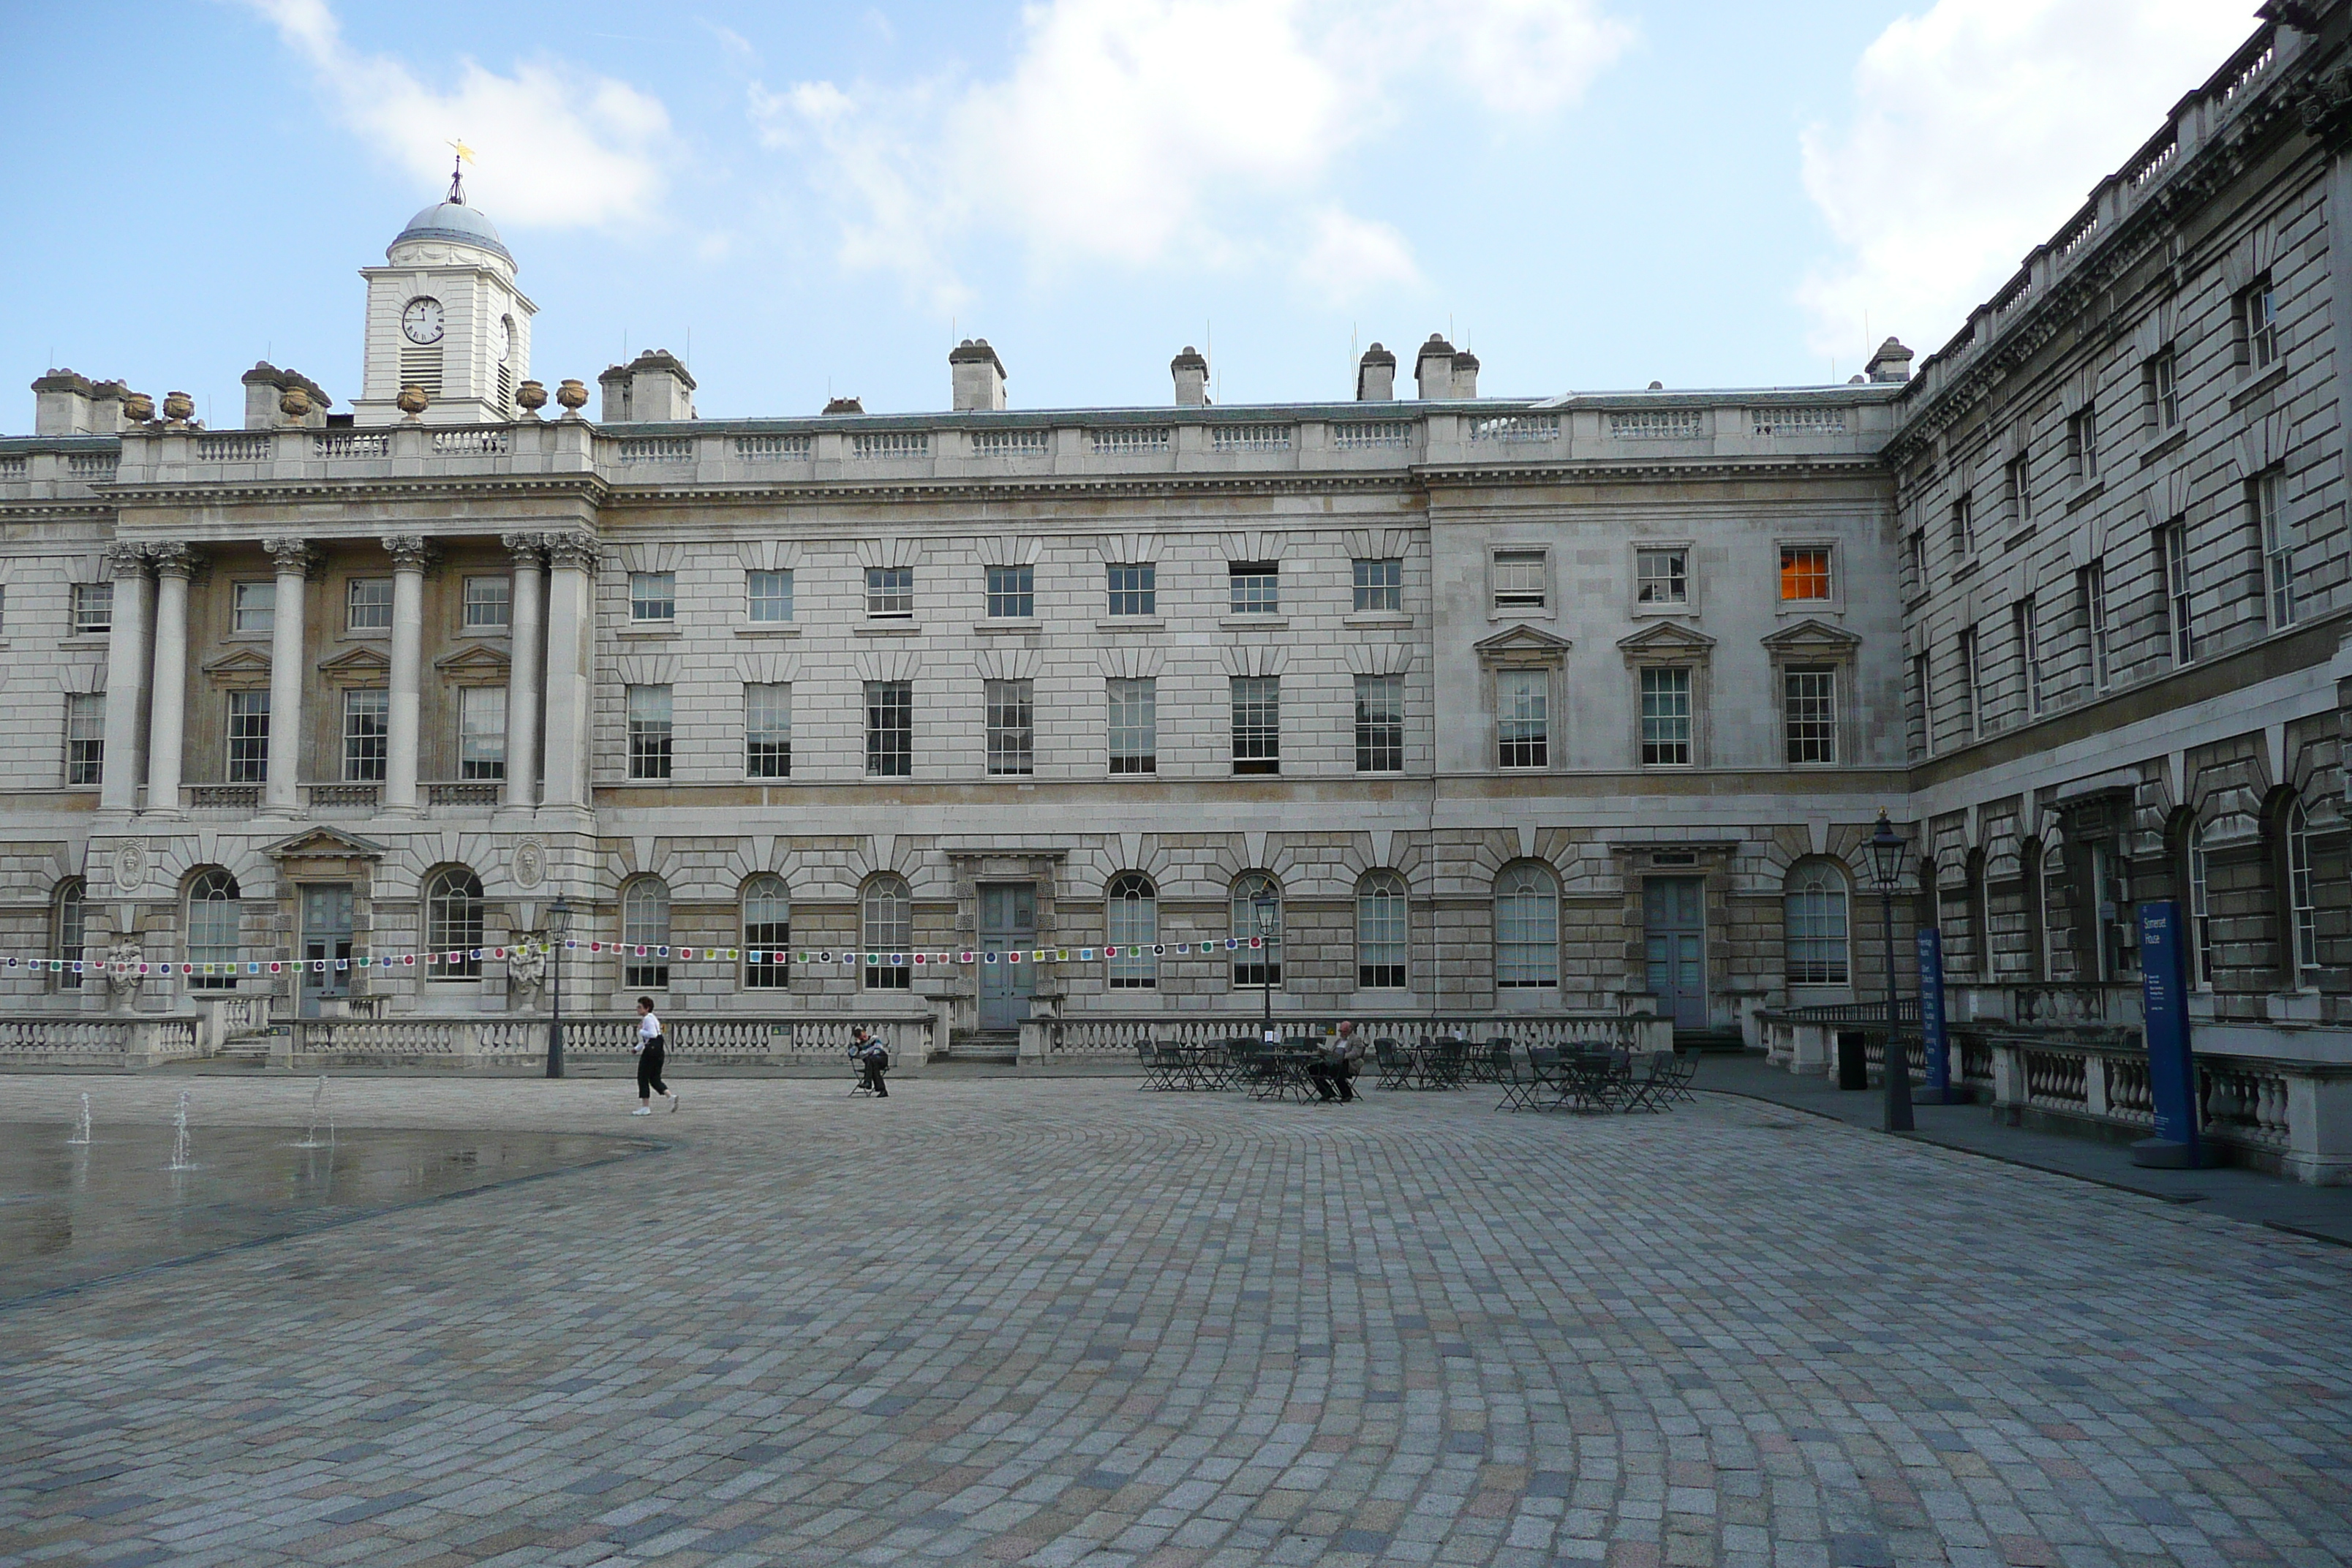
(443,313)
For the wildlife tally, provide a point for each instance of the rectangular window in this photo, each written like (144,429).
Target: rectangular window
(93,609)
(1520,580)
(767,730)
(1380,724)
(1379,585)
(2164,391)
(1805,572)
(2029,656)
(482,731)
(2082,444)
(367,604)
(367,730)
(1134,588)
(252,607)
(653,597)
(1257,725)
(1665,718)
(1809,695)
(649,733)
(2017,484)
(1134,736)
(2092,581)
(248,737)
(490,604)
(1661,576)
(1011,593)
(1923,699)
(1972,710)
(1380,937)
(1964,532)
(768,597)
(1918,547)
(890,593)
(86,738)
(2262,496)
(1256,587)
(1523,718)
(1012,728)
(2258,326)
(2172,563)
(890,729)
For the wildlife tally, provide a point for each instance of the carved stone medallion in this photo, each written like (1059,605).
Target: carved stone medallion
(130,868)
(530,863)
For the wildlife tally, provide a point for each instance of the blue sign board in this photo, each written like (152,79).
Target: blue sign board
(2163,994)
(1932,1035)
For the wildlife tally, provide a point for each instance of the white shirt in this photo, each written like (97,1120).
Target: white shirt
(648,1026)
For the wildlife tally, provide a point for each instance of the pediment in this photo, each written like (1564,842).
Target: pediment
(1523,642)
(1670,639)
(239,664)
(356,661)
(473,658)
(1814,638)
(324,844)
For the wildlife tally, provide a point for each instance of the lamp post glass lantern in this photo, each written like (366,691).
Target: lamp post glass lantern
(559,922)
(1887,848)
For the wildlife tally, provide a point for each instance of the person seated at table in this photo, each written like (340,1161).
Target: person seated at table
(1333,1071)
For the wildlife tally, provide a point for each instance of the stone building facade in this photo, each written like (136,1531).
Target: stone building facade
(1484,705)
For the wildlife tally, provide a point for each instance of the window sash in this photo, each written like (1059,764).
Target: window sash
(2095,620)
(215,930)
(2029,653)
(490,604)
(1665,718)
(2201,922)
(768,931)
(649,732)
(86,738)
(1527,939)
(2172,546)
(1011,593)
(890,591)
(2278,551)
(1519,579)
(2164,371)
(1661,576)
(248,737)
(767,730)
(93,608)
(1805,573)
(1011,723)
(886,921)
(1380,935)
(1257,723)
(453,923)
(1133,588)
(482,733)
(1523,718)
(1131,924)
(1808,697)
(1133,739)
(1256,968)
(71,933)
(1379,585)
(1380,724)
(1971,708)
(367,604)
(1256,588)
(645,923)
(2261,324)
(2302,905)
(768,597)
(1814,932)
(890,729)
(653,597)
(367,733)
(252,607)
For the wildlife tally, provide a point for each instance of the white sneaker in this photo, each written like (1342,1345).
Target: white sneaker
(673,1104)
(642,1111)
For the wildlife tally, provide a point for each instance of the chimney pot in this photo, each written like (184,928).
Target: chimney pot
(1892,362)
(1376,375)
(1191,373)
(1433,368)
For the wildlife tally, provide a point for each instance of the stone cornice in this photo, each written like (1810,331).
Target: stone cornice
(589,488)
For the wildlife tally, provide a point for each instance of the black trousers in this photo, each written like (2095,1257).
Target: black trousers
(874,1071)
(1328,1076)
(649,1065)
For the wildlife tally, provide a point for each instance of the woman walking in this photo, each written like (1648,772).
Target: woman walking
(649,1059)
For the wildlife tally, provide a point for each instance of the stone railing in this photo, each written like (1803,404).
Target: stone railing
(512,1039)
(80,1039)
(1100,1036)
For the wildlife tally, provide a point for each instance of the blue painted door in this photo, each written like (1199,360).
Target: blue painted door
(1674,912)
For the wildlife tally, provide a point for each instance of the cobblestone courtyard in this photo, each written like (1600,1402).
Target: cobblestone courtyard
(1061,1322)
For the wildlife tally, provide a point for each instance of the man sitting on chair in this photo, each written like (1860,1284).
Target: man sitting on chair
(872,1058)
(1336,1069)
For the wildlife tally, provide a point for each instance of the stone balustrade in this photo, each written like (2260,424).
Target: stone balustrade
(1115,1035)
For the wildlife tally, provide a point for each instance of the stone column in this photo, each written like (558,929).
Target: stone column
(281,795)
(126,681)
(174,564)
(522,670)
(570,643)
(409,556)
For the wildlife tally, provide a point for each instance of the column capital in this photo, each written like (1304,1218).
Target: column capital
(578,551)
(409,552)
(174,558)
(293,555)
(528,548)
(125,558)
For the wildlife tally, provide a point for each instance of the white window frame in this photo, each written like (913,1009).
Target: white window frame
(1816,713)
(1131,924)
(2097,635)
(1011,725)
(1383,932)
(653,598)
(2266,494)
(1667,589)
(652,733)
(1523,708)
(2302,900)
(481,733)
(2180,608)
(1378,584)
(1646,735)
(1132,725)
(1380,724)
(252,607)
(487,603)
(890,592)
(1518,579)
(767,730)
(367,607)
(246,737)
(84,739)
(773,607)
(366,734)
(1010,593)
(93,608)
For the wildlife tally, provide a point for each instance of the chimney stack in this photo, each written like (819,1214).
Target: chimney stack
(65,404)
(1891,363)
(1376,375)
(977,375)
(266,387)
(844,405)
(1191,373)
(1465,373)
(654,385)
(1432,369)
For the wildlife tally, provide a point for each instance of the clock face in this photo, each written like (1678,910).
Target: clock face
(421,320)
(502,339)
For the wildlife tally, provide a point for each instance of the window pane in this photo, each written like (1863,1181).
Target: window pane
(653,595)
(890,729)
(72,933)
(1523,721)
(767,731)
(248,737)
(1257,725)
(649,733)
(1804,572)
(86,738)
(1258,913)
(768,596)
(1380,724)
(1527,930)
(767,935)
(890,591)
(1134,589)
(1519,579)
(367,730)
(1011,727)
(1661,576)
(1131,924)
(482,733)
(93,608)
(214,918)
(1134,738)
(254,607)
(1379,585)
(489,604)
(1380,935)
(1256,587)
(368,605)
(1666,717)
(1011,593)
(888,916)
(453,923)
(1810,694)
(1815,925)
(645,923)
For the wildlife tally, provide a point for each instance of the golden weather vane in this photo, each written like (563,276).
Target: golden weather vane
(457,172)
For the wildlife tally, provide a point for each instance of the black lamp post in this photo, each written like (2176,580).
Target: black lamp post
(559,922)
(1265,912)
(1887,848)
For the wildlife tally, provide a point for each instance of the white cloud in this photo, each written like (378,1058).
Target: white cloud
(1130,132)
(554,145)
(1349,258)
(1978,127)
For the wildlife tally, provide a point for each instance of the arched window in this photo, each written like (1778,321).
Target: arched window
(1380,932)
(1131,924)
(1980,919)
(1814,925)
(2037,942)
(2301,900)
(1258,913)
(889,910)
(767,933)
(2195,878)
(67,931)
(453,922)
(215,916)
(644,934)
(1527,928)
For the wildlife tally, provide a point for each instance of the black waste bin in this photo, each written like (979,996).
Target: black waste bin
(1853,1068)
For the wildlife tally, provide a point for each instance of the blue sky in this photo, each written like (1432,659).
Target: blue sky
(804,200)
